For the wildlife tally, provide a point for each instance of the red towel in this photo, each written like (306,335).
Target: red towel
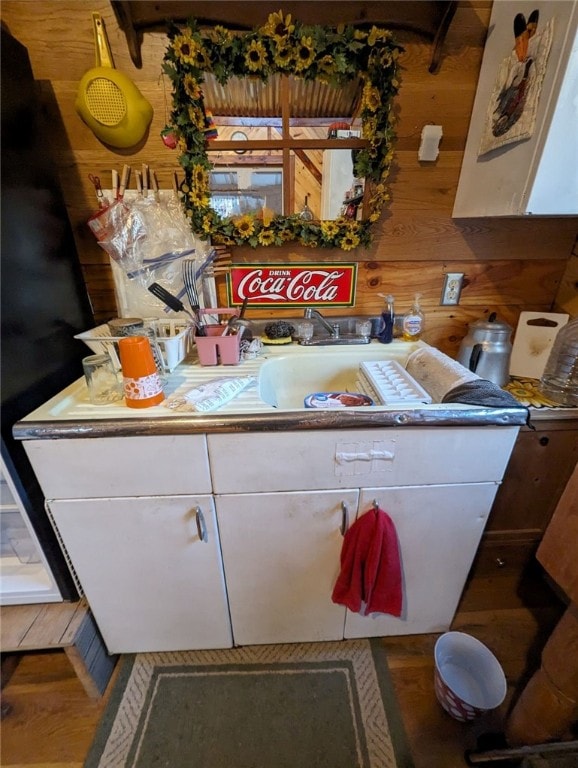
(370,566)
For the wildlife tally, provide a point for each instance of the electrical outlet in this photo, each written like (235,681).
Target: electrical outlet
(452,289)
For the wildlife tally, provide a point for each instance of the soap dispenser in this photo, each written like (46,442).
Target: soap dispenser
(413,322)
(385,328)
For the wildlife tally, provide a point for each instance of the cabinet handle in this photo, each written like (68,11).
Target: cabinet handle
(344,457)
(201,525)
(344,518)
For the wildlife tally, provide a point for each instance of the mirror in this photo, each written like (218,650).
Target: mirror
(285,133)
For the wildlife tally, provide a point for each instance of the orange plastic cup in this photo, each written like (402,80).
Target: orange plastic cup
(142,384)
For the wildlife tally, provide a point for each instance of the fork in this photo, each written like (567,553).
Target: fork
(190,283)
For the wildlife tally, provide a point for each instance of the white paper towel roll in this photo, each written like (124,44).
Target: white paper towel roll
(436,372)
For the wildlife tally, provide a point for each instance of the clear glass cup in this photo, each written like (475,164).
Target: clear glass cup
(102,379)
(363,328)
(305,330)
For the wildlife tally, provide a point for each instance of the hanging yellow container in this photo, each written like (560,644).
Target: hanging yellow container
(108,101)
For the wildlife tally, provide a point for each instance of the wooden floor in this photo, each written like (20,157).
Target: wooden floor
(52,720)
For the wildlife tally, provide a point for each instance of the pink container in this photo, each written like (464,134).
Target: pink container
(214,347)
(469,680)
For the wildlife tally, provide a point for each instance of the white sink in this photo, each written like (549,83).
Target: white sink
(284,381)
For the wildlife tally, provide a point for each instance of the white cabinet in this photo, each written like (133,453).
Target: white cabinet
(152,582)
(273,503)
(279,516)
(282,559)
(539,174)
(126,511)
(439,528)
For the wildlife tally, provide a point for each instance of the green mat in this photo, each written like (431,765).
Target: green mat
(313,705)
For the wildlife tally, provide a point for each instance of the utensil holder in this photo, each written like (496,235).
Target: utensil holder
(215,347)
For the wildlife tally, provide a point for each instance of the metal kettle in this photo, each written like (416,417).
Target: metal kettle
(486,350)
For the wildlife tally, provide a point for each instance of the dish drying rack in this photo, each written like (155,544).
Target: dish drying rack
(388,383)
(173,337)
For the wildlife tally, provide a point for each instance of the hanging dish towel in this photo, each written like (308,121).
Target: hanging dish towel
(370,575)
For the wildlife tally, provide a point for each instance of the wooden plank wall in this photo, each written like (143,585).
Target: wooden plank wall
(510,265)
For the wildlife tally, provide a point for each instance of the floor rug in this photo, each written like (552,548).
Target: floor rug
(310,705)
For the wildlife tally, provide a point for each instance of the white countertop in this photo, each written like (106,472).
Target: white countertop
(71,408)
(73,402)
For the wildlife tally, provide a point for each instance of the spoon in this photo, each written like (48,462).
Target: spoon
(236,323)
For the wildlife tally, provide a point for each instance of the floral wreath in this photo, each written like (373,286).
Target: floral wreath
(333,56)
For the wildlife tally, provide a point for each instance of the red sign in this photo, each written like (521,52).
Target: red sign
(291,285)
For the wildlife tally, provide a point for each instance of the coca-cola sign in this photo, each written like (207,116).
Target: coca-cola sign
(291,285)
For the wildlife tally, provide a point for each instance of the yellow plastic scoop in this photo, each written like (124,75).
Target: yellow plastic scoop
(108,101)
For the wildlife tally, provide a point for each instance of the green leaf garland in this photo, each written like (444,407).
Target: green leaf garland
(282,46)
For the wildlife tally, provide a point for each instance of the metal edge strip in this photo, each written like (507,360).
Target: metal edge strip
(271,422)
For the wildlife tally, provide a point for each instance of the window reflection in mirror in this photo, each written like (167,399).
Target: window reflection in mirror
(321,180)
(246,189)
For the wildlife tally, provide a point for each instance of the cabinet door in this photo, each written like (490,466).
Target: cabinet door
(439,529)
(281,555)
(152,583)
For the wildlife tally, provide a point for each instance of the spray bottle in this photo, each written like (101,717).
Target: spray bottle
(385,329)
(413,322)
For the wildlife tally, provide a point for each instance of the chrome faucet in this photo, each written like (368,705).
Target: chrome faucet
(331,328)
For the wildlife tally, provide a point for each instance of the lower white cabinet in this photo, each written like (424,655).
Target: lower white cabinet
(275,507)
(281,554)
(151,569)
(439,529)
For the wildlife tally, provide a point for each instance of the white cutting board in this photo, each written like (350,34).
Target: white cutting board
(532,343)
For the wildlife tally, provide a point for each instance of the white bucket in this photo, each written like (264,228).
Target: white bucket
(469,680)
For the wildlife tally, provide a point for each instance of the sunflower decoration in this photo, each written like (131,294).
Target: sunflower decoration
(329,229)
(197,117)
(183,47)
(283,57)
(371,98)
(304,54)
(256,56)
(244,226)
(278,27)
(267,237)
(283,45)
(349,235)
(326,67)
(192,88)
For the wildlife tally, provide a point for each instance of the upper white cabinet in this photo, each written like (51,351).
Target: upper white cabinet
(538,172)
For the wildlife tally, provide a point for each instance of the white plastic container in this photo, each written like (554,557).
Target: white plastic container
(173,338)
(469,680)
(390,384)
